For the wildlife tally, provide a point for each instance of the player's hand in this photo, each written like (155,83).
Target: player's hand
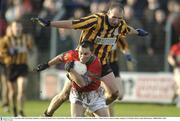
(142,32)
(42,22)
(130,58)
(68,66)
(13,51)
(41,67)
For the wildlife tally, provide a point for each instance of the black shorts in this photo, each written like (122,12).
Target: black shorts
(14,71)
(106,69)
(115,68)
(2,68)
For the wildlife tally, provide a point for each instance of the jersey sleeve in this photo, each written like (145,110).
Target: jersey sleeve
(68,56)
(173,50)
(123,28)
(85,22)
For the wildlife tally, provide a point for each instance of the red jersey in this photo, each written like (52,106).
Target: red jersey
(93,71)
(175,51)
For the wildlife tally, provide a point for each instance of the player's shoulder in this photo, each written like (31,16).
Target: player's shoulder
(175,46)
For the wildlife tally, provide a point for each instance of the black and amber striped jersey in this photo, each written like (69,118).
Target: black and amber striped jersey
(96,28)
(113,55)
(15,49)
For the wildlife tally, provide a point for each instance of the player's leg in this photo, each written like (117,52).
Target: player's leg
(120,95)
(4,88)
(109,80)
(103,112)
(77,110)
(177,81)
(120,88)
(21,71)
(58,100)
(116,70)
(12,87)
(110,106)
(99,106)
(21,82)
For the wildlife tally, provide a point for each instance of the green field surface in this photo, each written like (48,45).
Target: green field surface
(36,108)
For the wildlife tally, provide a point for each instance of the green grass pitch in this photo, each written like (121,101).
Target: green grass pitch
(36,108)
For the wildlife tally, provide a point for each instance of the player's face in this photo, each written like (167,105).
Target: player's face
(114,16)
(16,29)
(84,54)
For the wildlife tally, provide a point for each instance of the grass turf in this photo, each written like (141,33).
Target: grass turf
(36,108)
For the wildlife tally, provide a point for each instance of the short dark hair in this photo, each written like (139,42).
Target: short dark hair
(87,44)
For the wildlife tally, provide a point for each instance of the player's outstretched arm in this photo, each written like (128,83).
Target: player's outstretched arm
(67,24)
(41,67)
(40,21)
(139,31)
(171,60)
(46,65)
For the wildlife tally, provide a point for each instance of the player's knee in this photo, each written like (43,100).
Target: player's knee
(120,97)
(114,95)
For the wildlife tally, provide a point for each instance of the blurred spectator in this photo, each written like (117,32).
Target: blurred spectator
(136,44)
(158,41)
(158,33)
(149,14)
(138,7)
(15,11)
(71,5)
(173,21)
(103,6)
(75,34)
(94,7)
(49,11)
(65,41)
(34,7)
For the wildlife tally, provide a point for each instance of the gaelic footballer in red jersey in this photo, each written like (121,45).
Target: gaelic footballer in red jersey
(174,61)
(85,90)
(93,64)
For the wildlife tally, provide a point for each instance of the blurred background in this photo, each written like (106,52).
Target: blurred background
(161,18)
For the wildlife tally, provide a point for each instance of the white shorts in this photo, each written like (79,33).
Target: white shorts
(93,100)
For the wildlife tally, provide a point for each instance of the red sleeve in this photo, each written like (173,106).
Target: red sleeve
(68,56)
(173,49)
